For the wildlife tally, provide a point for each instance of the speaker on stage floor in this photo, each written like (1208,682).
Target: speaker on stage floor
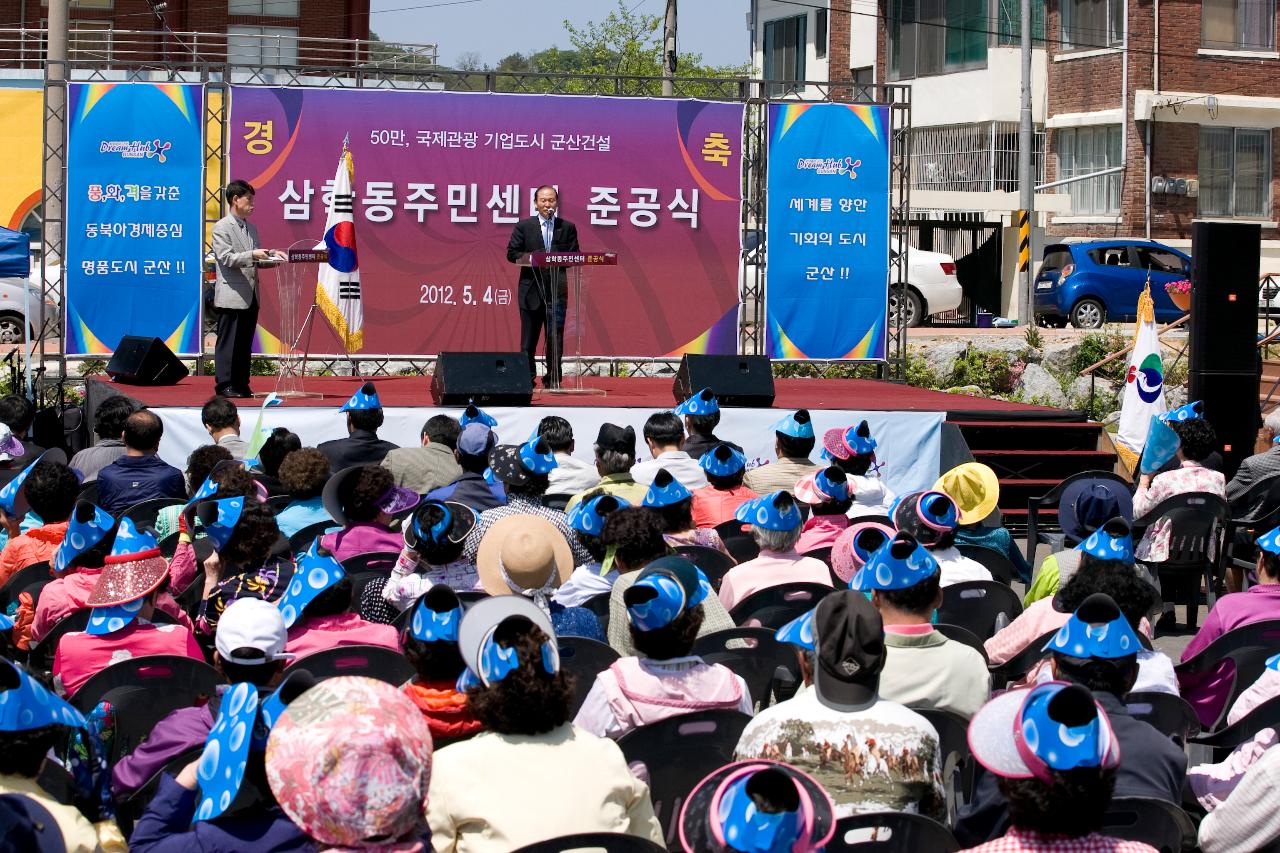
(145,361)
(492,378)
(736,380)
(1224,334)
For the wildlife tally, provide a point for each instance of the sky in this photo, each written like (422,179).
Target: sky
(496,28)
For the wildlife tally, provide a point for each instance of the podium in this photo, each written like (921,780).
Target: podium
(295,276)
(575,266)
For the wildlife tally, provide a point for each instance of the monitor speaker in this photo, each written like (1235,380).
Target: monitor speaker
(1231,407)
(736,380)
(1224,298)
(145,361)
(488,378)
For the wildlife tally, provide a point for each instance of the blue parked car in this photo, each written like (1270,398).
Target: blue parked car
(1091,282)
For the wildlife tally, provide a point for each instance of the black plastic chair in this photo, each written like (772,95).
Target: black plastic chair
(556,501)
(302,540)
(955,759)
(169,545)
(703,741)
(993,561)
(1017,667)
(752,653)
(775,606)
(30,579)
(1247,647)
(1160,823)
(370,661)
(737,541)
(1169,714)
(189,599)
(1266,715)
(1196,523)
(375,561)
(1040,530)
(982,607)
(41,657)
(130,808)
(584,659)
(361,579)
(890,832)
(714,564)
(145,690)
(823,554)
(279,502)
(962,635)
(144,513)
(599,605)
(89,492)
(608,841)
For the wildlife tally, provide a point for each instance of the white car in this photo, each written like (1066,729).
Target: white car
(931,286)
(17,295)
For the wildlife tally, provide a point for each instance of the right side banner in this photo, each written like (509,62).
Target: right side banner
(827,237)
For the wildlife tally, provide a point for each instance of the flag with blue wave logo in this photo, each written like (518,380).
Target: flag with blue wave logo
(1143,384)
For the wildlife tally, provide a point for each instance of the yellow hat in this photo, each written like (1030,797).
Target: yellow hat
(975,489)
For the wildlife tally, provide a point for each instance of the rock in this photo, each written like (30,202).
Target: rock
(1175,395)
(941,358)
(966,390)
(1113,418)
(1080,388)
(1038,386)
(1058,357)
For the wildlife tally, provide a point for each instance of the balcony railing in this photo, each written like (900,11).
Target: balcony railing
(88,45)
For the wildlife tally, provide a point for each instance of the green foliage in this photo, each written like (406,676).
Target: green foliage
(262,367)
(1096,346)
(92,367)
(1033,337)
(834,370)
(990,370)
(918,373)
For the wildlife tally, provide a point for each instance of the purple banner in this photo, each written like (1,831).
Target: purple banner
(441,178)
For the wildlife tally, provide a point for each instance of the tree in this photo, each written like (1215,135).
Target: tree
(469,61)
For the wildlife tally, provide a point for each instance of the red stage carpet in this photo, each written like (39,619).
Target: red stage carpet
(631,392)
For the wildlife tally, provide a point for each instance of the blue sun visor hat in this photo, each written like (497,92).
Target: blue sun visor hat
(536,456)
(774,511)
(1162,445)
(796,425)
(474,414)
(588,516)
(1192,411)
(825,485)
(1112,541)
(926,515)
(436,616)
(727,811)
(488,660)
(315,573)
(722,461)
(702,403)
(89,528)
(10,494)
(1055,727)
(219,519)
(26,704)
(364,399)
(665,490)
(900,563)
(220,772)
(664,589)
(1270,541)
(1097,629)
(798,632)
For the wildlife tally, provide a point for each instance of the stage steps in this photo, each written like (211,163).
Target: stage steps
(1269,384)
(1030,457)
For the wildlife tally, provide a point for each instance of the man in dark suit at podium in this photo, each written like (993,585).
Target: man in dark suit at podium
(541,287)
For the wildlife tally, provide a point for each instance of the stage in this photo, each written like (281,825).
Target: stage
(906,421)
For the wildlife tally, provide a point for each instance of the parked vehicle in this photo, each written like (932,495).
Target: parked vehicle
(931,286)
(20,290)
(1091,282)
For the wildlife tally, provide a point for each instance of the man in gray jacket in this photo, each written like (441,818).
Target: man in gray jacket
(235,294)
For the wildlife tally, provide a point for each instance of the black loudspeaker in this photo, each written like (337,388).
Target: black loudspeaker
(1224,297)
(494,378)
(145,361)
(1224,333)
(736,380)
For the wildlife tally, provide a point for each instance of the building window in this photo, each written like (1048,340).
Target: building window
(936,37)
(264,8)
(971,157)
(83,4)
(1092,24)
(269,47)
(1235,172)
(1009,22)
(1238,24)
(784,49)
(820,33)
(1082,151)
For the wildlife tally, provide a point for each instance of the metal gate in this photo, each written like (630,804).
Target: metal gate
(977,248)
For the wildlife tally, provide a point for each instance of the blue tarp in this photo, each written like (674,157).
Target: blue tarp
(15,254)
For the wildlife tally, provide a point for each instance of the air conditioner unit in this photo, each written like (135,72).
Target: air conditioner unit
(1193,188)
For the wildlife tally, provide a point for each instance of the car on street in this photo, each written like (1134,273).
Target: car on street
(21,294)
(931,286)
(1091,282)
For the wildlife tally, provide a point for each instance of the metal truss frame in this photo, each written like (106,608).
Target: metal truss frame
(751,92)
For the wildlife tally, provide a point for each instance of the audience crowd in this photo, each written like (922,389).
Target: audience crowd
(466,645)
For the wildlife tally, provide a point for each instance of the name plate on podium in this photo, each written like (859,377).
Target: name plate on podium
(308,256)
(573,259)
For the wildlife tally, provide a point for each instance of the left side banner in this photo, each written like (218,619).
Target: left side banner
(133,215)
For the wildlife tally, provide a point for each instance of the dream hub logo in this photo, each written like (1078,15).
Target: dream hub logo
(136,149)
(830,166)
